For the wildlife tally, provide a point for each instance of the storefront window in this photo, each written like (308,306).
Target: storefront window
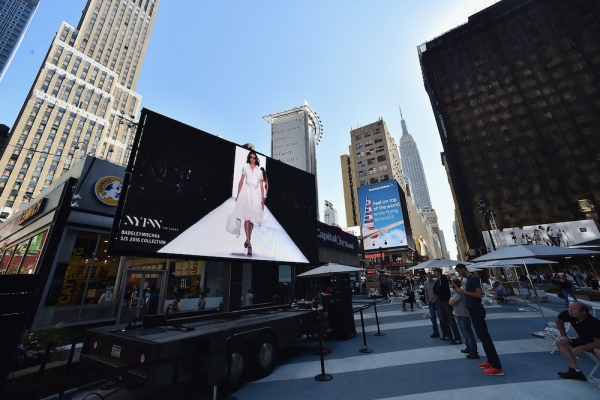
(82,287)
(185,279)
(15,263)
(215,279)
(6,259)
(33,253)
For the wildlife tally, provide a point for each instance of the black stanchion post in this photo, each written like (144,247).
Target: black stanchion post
(43,366)
(321,351)
(377,320)
(68,367)
(365,349)
(174,377)
(322,377)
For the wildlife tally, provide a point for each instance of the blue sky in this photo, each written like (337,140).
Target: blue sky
(221,65)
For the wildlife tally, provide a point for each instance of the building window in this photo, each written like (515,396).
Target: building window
(361,163)
(383,168)
(381,158)
(360,154)
(372,170)
(357,137)
(359,146)
(374,180)
(371,161)
(362,172)
(378,140)
(385,177)
(82,302)
(364,182)
(379,149)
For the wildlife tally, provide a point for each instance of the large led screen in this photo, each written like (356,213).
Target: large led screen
(383,224)
(193,194)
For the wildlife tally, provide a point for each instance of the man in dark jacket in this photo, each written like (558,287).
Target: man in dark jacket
(442,290)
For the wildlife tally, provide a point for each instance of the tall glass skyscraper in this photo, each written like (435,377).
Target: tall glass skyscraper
(412,167)
(14,20)
(82,101)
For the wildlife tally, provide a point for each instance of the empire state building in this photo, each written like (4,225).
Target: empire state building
(412,167)
(82,101)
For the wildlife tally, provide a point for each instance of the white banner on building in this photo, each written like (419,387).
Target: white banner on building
(289,143)
(561,234)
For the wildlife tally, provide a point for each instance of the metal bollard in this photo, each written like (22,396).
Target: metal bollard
(322,377)
(377,320)
(322,350)
(365,349)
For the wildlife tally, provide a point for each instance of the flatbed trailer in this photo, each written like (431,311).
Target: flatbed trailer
(197,343)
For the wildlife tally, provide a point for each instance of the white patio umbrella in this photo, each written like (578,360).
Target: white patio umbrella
(329,269)
(533,250)
(438,263)
(525,251)
(512,263)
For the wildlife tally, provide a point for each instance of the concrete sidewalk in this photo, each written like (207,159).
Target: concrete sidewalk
(407,363)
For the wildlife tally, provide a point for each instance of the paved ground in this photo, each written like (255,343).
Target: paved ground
(407,364)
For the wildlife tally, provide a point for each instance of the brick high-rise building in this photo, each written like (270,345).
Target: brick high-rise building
(82,101)
(515,94)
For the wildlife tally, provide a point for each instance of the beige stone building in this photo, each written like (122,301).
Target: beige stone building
(373,158)
(82,101)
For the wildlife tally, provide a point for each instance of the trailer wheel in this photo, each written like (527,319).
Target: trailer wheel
(239,367)
(263,355)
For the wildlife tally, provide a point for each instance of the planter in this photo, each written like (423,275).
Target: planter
(591,295)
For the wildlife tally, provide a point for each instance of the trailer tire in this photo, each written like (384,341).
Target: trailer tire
(239,367)
(263,355)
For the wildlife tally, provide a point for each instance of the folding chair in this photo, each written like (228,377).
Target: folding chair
(490,297)
(392,299)
(424,307)
(554,333)
(594,358)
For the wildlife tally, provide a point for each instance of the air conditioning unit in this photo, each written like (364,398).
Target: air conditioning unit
(585,205)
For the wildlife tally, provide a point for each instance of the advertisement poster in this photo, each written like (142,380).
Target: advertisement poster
(381,215)
(561,234)
(193,194)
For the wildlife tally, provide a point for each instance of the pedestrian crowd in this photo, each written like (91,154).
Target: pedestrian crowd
(462,312)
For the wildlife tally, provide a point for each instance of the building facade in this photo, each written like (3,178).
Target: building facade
(15,16)
(515,95)
(82,101)
(330,214)
(373,158)
(412,167)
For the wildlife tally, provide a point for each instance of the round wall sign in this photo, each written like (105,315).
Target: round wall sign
(108,190)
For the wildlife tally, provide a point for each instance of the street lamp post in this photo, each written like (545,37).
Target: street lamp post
(488,217)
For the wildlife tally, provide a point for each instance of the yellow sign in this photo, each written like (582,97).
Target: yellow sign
(108,190)
(32,211)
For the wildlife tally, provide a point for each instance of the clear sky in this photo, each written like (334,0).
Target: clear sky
(221,65)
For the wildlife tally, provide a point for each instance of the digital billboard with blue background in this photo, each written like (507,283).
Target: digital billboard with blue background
(382,216)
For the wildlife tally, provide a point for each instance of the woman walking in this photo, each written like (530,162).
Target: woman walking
(250,200)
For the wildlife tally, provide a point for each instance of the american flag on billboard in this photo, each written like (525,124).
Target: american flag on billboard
(368,226)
